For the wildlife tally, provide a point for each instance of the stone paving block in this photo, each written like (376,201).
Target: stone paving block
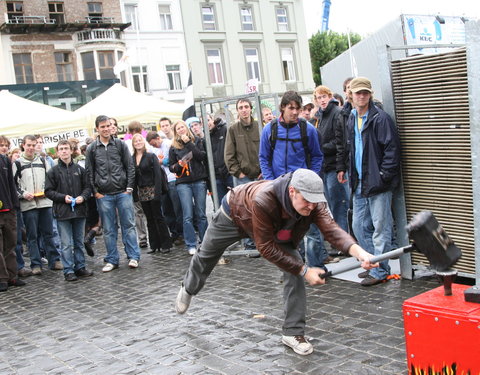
(123,322)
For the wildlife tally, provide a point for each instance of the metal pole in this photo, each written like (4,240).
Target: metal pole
(211,167)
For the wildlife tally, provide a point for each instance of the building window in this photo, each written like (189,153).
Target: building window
(253,63)
(14,10)
(56,12)
(88,64)
(208,18)
(215,70)
(282,19)
(22,63)
(288,64)
(95,11)
(140,78)
(106,62)
(246,17)
(173,75)
(131,15)
(123,76)
(165,17)
(63,62)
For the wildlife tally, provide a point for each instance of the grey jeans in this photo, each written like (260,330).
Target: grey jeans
(220,234)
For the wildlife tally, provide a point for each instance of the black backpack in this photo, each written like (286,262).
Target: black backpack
(303,138)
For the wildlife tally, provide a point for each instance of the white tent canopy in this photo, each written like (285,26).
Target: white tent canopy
(126,105)
(22,116)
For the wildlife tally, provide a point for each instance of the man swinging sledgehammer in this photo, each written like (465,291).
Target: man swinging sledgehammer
(276,214)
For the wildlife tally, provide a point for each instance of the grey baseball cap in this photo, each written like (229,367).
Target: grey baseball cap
(309,184)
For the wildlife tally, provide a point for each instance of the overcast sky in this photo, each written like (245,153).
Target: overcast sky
(367,16)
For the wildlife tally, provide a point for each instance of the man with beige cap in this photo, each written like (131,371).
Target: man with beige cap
(374,170)
(276,214)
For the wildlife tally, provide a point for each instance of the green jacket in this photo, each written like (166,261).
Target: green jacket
(241,149)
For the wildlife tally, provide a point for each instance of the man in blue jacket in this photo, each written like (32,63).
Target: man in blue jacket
(374,170)
(289,142)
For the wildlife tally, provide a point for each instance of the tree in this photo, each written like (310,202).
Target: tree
(325,46)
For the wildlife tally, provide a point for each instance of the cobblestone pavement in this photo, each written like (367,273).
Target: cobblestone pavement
(123,322)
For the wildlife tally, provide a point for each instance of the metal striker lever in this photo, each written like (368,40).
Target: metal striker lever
(379,258)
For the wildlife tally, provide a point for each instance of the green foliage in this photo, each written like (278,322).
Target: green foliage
(325,46)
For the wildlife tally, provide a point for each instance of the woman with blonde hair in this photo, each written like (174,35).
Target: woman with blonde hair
(150,184)
(186,159)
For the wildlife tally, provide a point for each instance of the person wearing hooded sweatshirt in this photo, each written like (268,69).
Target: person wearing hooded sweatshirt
(326,120)
(218,136)
(276,214)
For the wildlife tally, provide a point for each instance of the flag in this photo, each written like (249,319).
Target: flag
(189,102)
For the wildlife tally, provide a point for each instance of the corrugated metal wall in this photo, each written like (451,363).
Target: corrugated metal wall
(431,104)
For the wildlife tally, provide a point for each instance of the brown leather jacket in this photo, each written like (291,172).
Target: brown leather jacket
(257,211)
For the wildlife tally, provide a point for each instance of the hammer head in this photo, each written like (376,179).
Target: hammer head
(432,241)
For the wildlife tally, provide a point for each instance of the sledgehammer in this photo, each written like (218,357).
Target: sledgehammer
(428,237)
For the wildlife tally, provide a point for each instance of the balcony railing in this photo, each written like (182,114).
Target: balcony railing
(31,20)
(98,35)
(98,19)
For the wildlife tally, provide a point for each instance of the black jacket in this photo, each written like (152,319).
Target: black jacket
(64,180)
(381,153)
(110,169)
(326,121)
(196,166)
(150,173)
(341,138)
(8,189)
(218,136)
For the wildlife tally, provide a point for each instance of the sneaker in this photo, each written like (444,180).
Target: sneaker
(57,266)
(71,277)
(44,260)
(164,251)
(36,270)
(192,250)
(363,274)
(369,280)
(183,301)
(143,245)
(3,286)
(109,267)
(299,344)
(16,282)
(133,263)
(83,272)
(151,251)
(24,272)
(89,248)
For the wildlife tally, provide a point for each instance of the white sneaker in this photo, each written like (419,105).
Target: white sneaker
(192,250)
(109,267)
(183,301)
(299,344)
(133,263)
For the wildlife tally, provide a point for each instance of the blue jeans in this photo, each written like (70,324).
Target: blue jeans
(223,183)
(71,236)
(372,225)
(193,197)
(247,242)
(316,252)
(39,221)
(19,246)
(107,208)
(337,198)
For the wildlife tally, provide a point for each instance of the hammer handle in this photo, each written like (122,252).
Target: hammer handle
(379,258)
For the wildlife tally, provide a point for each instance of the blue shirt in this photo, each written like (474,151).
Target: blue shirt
(358,142)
